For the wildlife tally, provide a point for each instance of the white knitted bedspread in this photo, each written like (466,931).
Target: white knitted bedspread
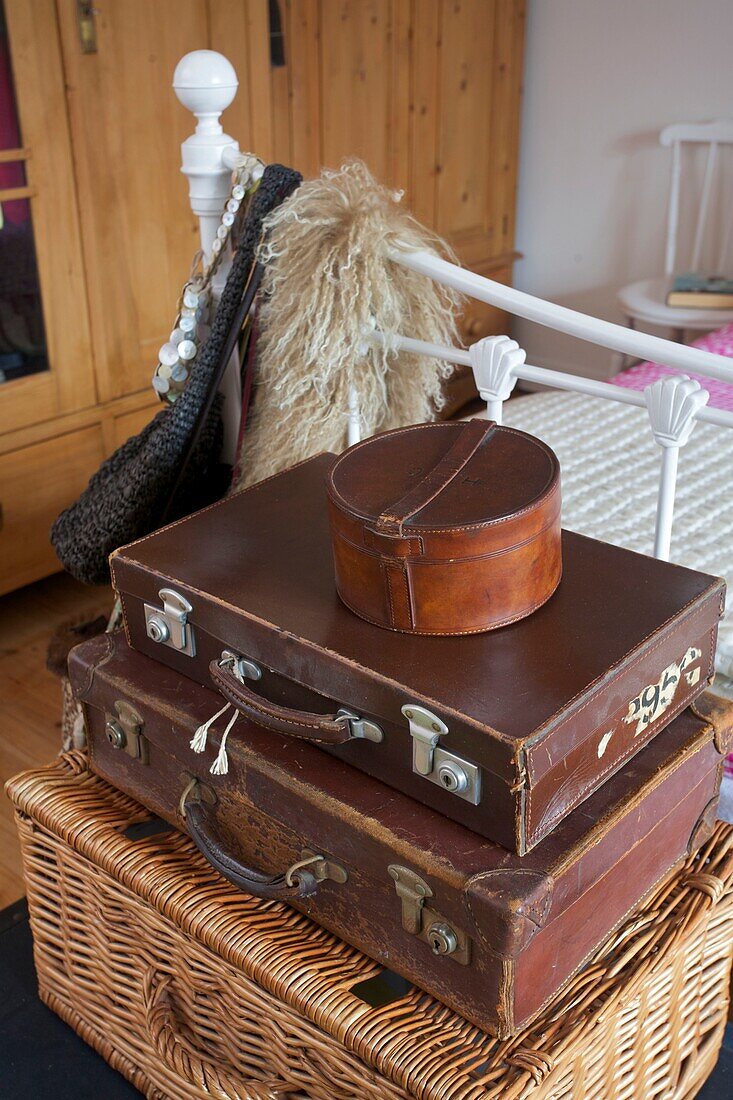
(610,473)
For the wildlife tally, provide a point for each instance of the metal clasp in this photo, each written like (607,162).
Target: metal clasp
(169,625)
(425,922)
(426,729)
(85,12)
(412,891)
(361,727)
(124,731)
(322,868)
(450,772)
(243,667)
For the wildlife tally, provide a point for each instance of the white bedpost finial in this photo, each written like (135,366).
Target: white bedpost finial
(206,83)
(494,361)
(673,404)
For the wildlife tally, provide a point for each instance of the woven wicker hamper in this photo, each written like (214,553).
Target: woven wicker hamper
(192,989)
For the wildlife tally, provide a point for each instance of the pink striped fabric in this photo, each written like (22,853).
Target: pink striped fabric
(721,393)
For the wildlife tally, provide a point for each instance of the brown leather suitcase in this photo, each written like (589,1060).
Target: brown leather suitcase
(505,731)
(446,528)
(490,934)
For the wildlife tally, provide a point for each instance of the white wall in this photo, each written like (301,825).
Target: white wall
(601,79)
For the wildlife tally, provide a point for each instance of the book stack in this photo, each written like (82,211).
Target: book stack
(701,292)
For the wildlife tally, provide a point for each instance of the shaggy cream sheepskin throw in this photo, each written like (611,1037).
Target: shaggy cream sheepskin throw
(327,278)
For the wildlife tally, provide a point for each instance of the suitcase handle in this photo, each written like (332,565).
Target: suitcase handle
(297,882)
(178,1053)
(330,729)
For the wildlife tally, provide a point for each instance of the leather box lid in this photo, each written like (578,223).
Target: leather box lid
(510,473)
(258,566)
(508,897)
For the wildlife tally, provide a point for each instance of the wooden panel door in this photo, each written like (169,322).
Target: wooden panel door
(259,116)
(427,92)
(320,81)
(37,482)
(365,70)
(42,164)
(467,61)
(138,232)
(464,121)
(506,95)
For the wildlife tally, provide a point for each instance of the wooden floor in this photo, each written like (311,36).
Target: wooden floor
(30,696)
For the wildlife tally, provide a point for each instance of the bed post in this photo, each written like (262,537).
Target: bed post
(672,404)
(494,361)
(205,82)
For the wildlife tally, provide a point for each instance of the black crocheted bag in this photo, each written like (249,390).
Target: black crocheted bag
(131,493)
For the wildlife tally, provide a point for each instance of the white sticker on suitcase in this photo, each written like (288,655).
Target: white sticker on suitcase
(651,703)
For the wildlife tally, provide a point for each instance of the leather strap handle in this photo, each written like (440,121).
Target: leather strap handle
(329,729)
(474,435)
(202,828)
(176,1051)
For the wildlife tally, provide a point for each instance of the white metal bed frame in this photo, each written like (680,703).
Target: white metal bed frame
(206,83)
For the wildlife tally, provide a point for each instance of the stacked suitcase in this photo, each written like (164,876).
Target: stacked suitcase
(477,812)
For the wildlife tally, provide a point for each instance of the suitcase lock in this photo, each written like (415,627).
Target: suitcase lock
(451,772)
(420,920)
(124,731)
(168,625)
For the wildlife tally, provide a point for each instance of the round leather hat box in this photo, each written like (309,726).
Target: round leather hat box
(446,528)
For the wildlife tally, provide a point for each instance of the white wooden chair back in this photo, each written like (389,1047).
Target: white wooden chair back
(713,135)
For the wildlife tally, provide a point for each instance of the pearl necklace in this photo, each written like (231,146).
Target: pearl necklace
(195,305)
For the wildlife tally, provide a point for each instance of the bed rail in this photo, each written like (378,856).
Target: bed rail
(206,84)
(591,329)
(673,404)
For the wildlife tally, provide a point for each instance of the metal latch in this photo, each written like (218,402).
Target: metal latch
(412,891)
(321,867)
(426,730)
(244,668)
(361,727)
(429,759)
(124,730)
(169,625)
(425,922)
(85,12)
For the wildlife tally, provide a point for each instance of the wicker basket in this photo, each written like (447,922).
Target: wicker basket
(192,989)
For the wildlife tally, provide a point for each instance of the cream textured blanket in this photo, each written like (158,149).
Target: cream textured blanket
(610,469)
